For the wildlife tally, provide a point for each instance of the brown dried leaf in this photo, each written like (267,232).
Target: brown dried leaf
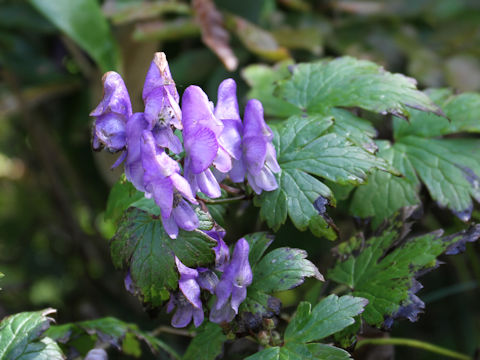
(213,31)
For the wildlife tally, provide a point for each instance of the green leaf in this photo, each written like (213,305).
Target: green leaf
(329,316)
(383,271)
(121,197)
(83,21)
(347,82)
(142,247)
(462,111)
(305,150)
(44,349)
(262,79)
(357,130)
(450,170)
(20,336)
(207,344)
(258,244)
(384,193)
(122,336)
(281,269)
(294,351)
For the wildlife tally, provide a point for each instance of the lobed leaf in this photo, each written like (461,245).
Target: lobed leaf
(347,82)
(207,344)
(384,270)
(329,316)
(142,247)
(125,337)
(293,351)
(21,336)
(305,150)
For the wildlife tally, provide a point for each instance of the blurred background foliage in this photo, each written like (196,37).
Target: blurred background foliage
(53,188)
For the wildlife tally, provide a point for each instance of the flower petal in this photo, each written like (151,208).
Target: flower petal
(223,314)
(264,180)
(237,174)
(201,146)
(183,187)
(110,131)
(134,172)
(208,184)
(271,159)
(185,217)
(115,97)
(159,75)
(197,111)
(182,316)
(239,293)
(253,121)
(207,279)
(198,317)
(231,138)
(170,226)
(254,153)
(165,138)
(227,104)
(222,162)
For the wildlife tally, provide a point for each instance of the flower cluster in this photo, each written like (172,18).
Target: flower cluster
(230,289)
(216,143)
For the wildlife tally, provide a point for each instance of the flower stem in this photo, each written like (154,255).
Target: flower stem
(224,201)
(413,343)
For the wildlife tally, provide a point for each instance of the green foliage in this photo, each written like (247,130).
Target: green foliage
(298,141)
(279,270)
(316,87)
(142,248)
(329,316)
(121,196)
(21,337)
(83,336)
(207,344)
(383,270)
(83,21)
(449,168)
(343,140)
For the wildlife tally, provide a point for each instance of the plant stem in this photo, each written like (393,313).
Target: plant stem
(169,330)
(224,201)
(413,343)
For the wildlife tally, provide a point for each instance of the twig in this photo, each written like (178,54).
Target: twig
(225,201)
(168,330)
(413,343)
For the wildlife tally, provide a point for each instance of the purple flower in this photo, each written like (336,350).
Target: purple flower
(168,188)
(134,172)
(200,137)
(161,104)
(111,114)
(207,279)
(232,288)
(222,254)
(187,300)
(259,155)
(231,136)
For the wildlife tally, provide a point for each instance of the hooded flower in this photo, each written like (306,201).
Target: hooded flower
(168,188)
(111,114)
(201,130)
(187,300)
(136,124)
(230,138)
(232,288)
(259,155)
(161,104)
(222,254)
